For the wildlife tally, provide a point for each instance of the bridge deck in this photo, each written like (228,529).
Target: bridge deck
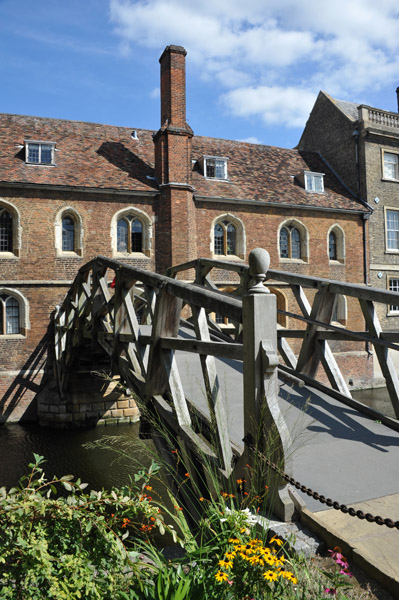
(336,450)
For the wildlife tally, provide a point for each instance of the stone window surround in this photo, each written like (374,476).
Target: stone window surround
(340,240)
(389,151)
(16,229)
(341,310)
(69,211)
(146,222)
(241,238)
(305,255)
(24,323)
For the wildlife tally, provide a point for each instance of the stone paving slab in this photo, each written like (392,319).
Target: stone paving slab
(375,548)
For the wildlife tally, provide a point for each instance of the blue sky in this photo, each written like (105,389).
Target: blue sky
(254,68)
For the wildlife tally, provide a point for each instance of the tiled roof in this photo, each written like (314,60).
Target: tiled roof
(87,154)
(268,174)
(96,156)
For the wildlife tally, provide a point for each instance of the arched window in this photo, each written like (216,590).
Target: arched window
(290,243)
(6,231)
(129,234)
(332,246)
(225,238)
(14,312)
(228,237)
(9,315)
(10,229)
(336,244)
(68,234)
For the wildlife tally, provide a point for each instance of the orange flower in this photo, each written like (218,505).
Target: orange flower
(178,508)
(187,474)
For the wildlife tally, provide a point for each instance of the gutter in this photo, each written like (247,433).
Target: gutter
(266,204)
(70,188)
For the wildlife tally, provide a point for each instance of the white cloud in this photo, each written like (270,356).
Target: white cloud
(272,58)
(251,140)
(155,93)
(274,105)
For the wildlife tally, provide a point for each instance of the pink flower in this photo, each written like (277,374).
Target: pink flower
(330,591)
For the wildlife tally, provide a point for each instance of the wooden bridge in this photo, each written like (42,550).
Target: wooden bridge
(146,323)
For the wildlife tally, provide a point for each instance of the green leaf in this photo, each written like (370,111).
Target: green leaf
(67,486)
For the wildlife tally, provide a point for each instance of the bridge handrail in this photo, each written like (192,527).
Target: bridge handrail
(354,290)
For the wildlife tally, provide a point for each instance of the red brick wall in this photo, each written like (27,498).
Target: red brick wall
(38,262)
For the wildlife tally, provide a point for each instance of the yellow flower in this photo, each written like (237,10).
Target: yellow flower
(226,564)
(276,541)
(230,555)
(270,575)
(234,541)
(220,576)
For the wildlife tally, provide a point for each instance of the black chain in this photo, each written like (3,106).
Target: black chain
(342,507)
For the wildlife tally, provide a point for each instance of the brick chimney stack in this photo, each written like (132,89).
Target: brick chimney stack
(173,86)
(175,210)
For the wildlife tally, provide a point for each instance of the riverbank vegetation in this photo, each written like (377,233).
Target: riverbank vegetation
(58,540)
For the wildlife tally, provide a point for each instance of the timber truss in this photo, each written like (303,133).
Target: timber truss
(137,318)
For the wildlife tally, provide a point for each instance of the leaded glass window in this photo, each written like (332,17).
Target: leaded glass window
(225,238)
(6,233)
(332,246)
(129,235)
(68,234)
(9,315)
(290,242)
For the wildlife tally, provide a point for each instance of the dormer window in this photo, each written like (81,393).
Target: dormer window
(314,182)
(39,153)
(214,167)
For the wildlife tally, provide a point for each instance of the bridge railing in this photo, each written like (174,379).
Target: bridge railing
(313,306)
(144,321)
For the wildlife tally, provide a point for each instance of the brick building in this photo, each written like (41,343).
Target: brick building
(361,144)
(71,190)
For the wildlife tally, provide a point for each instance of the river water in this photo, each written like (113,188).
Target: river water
(65,453)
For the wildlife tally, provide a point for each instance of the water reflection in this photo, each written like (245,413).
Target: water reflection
(377,398)
(64,453)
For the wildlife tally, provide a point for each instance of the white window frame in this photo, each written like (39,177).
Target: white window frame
(311,178)
(40,143)
(205,160)
(387,248)
(385,175)
(393,309)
